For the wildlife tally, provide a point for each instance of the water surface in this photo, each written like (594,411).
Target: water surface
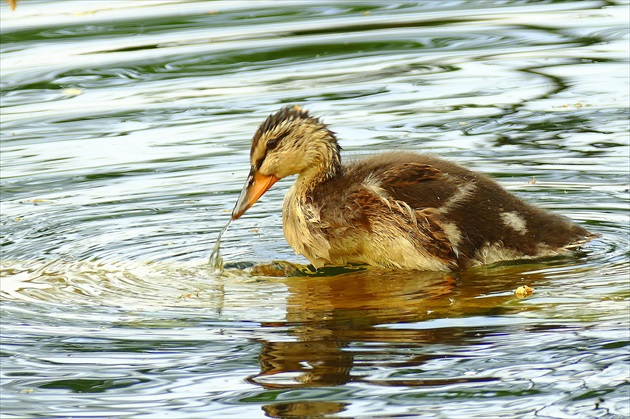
(125,142)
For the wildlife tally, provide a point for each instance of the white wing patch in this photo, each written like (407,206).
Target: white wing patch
(514,221)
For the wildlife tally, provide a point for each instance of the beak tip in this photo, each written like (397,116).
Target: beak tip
(237,212)
(255,186)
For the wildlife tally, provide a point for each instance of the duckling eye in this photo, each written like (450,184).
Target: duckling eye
(273,143)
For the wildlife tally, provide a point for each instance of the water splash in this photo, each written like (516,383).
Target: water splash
(215,260)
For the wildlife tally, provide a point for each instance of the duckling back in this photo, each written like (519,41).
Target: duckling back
(413,211)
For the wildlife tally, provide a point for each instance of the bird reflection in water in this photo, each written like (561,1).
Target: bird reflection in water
(336,333)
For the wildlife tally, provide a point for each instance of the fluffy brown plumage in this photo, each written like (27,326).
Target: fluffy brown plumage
(401,210)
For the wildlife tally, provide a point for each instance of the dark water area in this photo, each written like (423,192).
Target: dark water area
(125,134)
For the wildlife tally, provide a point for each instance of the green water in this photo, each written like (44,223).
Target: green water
(125,142)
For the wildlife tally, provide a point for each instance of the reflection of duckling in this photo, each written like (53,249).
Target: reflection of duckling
(397,209)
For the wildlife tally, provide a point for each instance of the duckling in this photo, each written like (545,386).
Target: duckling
(398,210)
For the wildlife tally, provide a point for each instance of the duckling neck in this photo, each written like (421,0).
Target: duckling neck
(326,165)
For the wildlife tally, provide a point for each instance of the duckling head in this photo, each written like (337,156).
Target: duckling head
(287,143)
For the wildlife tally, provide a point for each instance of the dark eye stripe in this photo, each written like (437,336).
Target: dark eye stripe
(273,143)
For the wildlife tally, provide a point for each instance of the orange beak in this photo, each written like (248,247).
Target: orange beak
(255,186)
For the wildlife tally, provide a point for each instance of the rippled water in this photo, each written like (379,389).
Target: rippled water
(125,141)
